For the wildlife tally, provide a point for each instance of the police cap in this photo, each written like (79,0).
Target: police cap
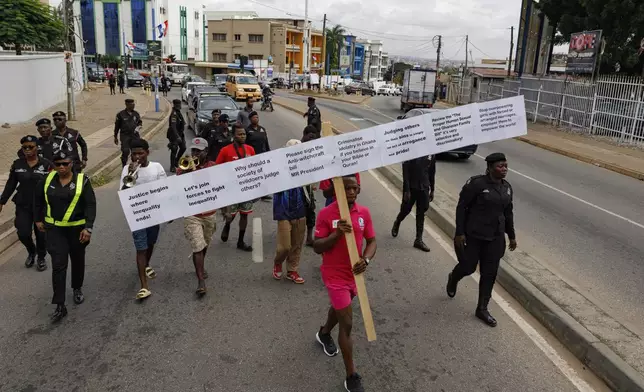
(28,139)
(129,100)
(253,113)
(176,102)
(60,155)
(59,113)
(43,121)
(495,157)
(311,99)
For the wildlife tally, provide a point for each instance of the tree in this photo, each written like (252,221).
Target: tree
(172,58)
(399,72)
(59,13)
(29,22)
(110,61)
(622,22)
(334,41)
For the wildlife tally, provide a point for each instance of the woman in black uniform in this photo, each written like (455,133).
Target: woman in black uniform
(65,208)
(484,215)
(25,174)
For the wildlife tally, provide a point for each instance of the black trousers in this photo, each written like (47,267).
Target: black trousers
(112,89)
(125,148)
(176,151)
(488,255)
(63,244)
(25,226)
(420,198)
(121,89)
(310,213)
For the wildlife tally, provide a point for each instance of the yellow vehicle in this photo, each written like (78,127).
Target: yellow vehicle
(241,86)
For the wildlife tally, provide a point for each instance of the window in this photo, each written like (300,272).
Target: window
(218,37)
(196,51)
(237,37)
(255,57)
(162,11)
(111,26)
(219,57)
(89,32)
(256,38)
(139,30)
(237,56)
(197,33)
(196,15)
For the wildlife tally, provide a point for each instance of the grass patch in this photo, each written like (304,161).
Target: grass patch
(100,180)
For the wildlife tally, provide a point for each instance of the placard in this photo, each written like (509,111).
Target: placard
(302,164)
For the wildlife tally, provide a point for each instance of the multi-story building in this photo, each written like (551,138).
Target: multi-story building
(376,61)
(109,25)
(352,57)
(280,41)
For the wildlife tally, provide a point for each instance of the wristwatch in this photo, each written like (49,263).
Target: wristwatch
(367,260)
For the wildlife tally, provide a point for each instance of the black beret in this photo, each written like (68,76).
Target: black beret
(43,121)
(176,101)
(223,117)
(311,98)
(28,138)
(129,100)
(495,157)
(253,113)
(59,114)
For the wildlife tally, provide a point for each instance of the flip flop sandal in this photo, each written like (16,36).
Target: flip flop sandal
(201,291)
(143,294)
(150,273)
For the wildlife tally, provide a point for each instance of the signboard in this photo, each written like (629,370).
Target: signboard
(345,61)
(246,179)
(69,57)
(583,51)
(140,50)
(154,52)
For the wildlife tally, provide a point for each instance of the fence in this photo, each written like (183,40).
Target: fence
(612,106)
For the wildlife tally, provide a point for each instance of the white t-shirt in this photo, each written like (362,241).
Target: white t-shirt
(152,172)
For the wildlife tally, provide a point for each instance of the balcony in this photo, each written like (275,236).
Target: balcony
(292,48)
(316,49)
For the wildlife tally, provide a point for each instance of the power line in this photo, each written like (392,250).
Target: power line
(482,52)
(457,52)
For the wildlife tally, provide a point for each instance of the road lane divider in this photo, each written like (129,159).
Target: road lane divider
(258,241)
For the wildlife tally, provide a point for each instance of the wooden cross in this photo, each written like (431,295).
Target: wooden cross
(352,246)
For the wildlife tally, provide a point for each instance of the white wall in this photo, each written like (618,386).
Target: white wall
(19,103)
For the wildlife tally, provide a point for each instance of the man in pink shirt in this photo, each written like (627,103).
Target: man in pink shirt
(338,275)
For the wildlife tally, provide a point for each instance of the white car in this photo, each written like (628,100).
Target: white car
(187,90)
(385,89)
(396,91)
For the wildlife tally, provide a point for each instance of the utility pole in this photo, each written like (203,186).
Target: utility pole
(83,60)
(438,64)
(124,58)
(71,110)
(511,50)
(323,69)
(307,38)
(156,74)
(467,42)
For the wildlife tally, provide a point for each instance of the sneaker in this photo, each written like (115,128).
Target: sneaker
(330,349)
(41,264)
(295,277)
(353,383)
(277,271)
(79,298)
(29,262)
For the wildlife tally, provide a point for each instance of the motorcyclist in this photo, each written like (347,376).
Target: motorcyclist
(266,93)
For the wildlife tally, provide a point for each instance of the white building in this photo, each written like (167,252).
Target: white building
(376,61)
(108,26)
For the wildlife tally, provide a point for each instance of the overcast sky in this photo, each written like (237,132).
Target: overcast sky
(407,26)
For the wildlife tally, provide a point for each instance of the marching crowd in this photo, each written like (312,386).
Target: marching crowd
(55,203)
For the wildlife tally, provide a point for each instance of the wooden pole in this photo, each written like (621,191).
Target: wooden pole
(352,246)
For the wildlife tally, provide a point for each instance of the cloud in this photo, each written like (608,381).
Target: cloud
(407,27)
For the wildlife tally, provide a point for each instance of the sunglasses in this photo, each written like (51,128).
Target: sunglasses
(27,148)
(58,164)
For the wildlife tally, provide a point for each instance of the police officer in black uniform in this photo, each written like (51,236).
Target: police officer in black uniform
(175,134)
(418,188)
(73,137)
(484,216)
(218,137)
(313,116)
(25,174)
(65,208)
(127,124)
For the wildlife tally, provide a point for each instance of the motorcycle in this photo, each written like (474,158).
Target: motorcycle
(267,102)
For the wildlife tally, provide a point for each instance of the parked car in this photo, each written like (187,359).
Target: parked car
(201,114)
(362,87)
(186,90)
(191,78)
(396,91)
(386,89)
(95,72)
(462,152)
(134,78)
(219,81)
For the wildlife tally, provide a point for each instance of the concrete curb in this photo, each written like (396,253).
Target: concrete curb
(603,361)
(367,97)
(9,236)
(584,158)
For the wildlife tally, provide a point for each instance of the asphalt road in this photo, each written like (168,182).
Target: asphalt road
(252,333)
(584,222)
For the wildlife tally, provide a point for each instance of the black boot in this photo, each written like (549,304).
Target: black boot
(452,285)
(395,228)
(482,312)
(420,244)
(42,264)
(59,313)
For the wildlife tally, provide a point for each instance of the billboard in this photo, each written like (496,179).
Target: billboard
(154,51)
(140,50)
(345,61)
(583,51)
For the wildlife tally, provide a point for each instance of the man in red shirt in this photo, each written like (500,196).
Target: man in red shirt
(338,275)
(232,152)
(326,186)
(199,228)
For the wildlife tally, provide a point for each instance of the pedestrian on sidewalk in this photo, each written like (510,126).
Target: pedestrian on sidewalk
(232,152)
(176,136)
(25,174)
(257,138)
(243,116)
(73,137)
(289,210)
(313,115)
(121,81)
(127,124)
(111,80)
(419,177)
(338,275)
(164,85)
(484,215)
(65,208)
(199,228)
(144,239)
(310,133)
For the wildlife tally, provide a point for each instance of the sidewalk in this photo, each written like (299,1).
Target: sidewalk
(95,113)
(300,107)
(624,160)
(355,99)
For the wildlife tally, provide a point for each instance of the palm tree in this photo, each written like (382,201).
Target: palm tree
(334,41)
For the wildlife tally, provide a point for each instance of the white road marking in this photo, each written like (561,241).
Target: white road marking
(611,213)
(356,119)
(532,333)
(258,241)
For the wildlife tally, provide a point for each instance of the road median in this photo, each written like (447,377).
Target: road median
(357,101)
(607,347)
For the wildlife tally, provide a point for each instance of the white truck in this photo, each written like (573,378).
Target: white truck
(418,89)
